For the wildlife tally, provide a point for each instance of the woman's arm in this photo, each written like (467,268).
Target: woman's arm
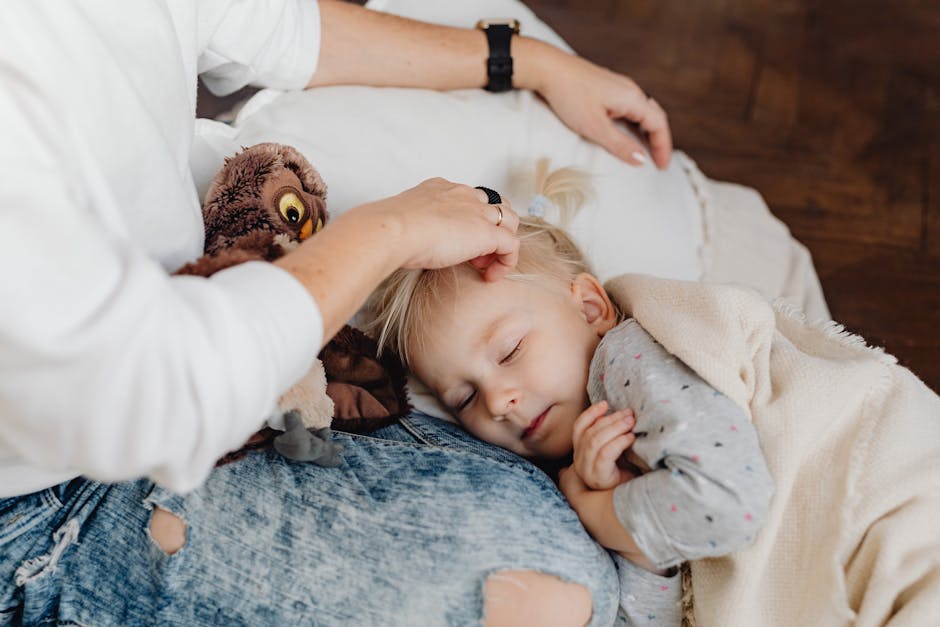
(363,47)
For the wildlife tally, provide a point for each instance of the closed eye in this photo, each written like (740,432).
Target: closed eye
(462,405)
(509,357)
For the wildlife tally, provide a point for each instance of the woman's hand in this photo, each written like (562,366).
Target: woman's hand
(443,223)
(599,440)
(589,99)
(434,225)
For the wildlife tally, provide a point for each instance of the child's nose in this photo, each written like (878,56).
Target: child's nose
(501,400)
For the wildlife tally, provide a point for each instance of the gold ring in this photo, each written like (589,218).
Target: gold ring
(499,219)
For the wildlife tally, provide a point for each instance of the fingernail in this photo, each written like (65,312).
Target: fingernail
(639,156)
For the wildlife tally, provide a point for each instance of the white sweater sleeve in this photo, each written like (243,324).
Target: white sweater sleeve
(268,43)
(108,366)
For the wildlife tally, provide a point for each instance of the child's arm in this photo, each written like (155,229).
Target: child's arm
(596,510)
(647,597)
(708,488)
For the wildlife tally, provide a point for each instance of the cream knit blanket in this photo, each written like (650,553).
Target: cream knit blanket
(853,442)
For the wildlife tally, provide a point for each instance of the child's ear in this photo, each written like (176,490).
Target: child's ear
(595,305)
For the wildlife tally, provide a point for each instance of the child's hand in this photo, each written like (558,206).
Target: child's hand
(599,440)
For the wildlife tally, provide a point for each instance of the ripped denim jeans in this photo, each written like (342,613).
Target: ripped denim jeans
(405,532)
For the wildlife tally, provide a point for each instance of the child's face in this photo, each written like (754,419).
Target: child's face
(511,359)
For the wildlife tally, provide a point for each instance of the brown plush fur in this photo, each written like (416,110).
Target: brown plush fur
(236,206)
(349,360)
(258,246)
(245,222)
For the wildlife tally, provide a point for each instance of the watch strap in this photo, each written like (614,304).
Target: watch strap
(499,63)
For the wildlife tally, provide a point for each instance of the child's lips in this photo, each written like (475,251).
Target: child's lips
(535,424)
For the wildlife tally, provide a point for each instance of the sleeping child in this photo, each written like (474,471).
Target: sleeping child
(663,409)
(519,362)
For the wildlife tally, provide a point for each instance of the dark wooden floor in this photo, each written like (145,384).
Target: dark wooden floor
(829,108)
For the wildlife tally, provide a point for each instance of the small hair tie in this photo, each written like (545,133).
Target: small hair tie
(538,205)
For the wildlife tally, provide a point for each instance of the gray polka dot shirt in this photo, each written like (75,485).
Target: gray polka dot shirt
(707,488)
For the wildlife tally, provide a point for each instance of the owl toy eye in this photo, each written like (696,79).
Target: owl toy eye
(291,207)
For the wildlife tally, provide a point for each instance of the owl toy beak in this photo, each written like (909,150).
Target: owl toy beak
(307,229)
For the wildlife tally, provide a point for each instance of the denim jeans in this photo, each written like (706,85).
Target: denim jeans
(405,532)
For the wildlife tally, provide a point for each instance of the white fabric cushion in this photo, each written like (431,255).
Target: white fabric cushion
(370,143)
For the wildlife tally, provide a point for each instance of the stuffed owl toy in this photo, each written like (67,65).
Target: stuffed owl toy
(265,201)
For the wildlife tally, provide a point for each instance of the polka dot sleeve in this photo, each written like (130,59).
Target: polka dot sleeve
(707,489)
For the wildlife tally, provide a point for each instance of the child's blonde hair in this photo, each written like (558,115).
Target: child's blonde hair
(401,305)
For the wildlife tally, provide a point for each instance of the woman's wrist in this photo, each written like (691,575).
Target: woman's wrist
(345,261)
(531,60)
(385,219)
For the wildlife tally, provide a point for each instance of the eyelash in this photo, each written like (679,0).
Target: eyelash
(512,353)
(466,402)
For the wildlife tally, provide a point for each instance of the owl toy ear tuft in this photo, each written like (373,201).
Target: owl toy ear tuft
(237,201)
(309,177)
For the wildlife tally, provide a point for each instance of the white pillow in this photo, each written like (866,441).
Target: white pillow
(371,143)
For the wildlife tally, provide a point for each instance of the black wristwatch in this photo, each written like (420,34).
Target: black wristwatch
(499,64)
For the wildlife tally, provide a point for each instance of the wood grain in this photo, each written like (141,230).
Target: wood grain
(830,109)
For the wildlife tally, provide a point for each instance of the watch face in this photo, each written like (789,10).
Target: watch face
(486,22)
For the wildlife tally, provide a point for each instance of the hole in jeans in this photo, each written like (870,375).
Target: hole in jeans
(525,597)
(167,530)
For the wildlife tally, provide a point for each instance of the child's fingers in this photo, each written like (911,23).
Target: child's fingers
(586,419)
(590,438)
(605,464)
(612,450)
(621,417)
(603,458)
(601,471)
(607,428)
